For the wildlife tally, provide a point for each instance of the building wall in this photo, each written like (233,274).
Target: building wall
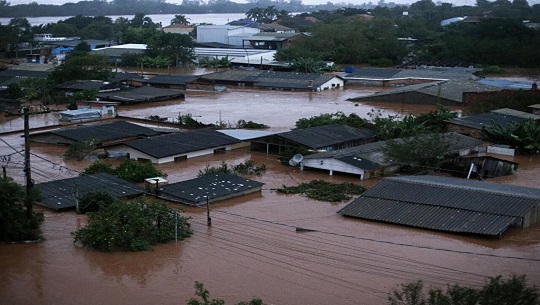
(531,218)
(334,83)
(333,165)
(223,34)
(409,98)
(136,155)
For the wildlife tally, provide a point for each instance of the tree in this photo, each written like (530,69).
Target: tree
(180,19)
(134,171)
(80,150)
(132,226)
(511,291)
(93,202)
(175,47)
(83,67)
(420,150)
(14,223)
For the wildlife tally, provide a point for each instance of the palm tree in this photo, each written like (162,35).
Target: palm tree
(255,14)
(180,19)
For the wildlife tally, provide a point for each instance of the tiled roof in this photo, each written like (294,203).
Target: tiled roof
(61,194)
(446,204)
(181,142)
(215,187)
(103,132)
(327,135)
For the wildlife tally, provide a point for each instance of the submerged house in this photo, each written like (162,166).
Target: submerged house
(273,80)
(141,95)
(178,146)
(448,204)
(103,135)
(63,194)
(370,160)
(208,189)
(318,138)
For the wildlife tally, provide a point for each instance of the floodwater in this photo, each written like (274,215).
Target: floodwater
(253,248)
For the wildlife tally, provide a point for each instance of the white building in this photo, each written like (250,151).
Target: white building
(226,34)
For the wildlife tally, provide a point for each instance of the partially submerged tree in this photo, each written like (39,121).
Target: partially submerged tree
(511,291)
(14,223)
(324,191)
(80,150)
(130,170)
(132,226)
(420,150)
(204,296)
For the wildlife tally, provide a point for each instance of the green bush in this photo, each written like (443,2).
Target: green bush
(250,125)
(325,191)
(381,62)
(246,168)
(130,170)
(93,202)
(14,222)
(131,226)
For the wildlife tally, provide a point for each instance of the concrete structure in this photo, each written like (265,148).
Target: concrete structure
(178,29)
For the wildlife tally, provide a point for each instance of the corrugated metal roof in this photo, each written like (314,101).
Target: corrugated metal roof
(272,78)
(181,142)
(213,187)
(481,120)
(443,203)
(60,194)
(427,217)
(102,132)
(435,73)
(170,79)
(327,135)
(449,90)
(82,84)
(140,94)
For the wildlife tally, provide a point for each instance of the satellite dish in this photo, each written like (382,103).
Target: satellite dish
(298,158)
(292,163)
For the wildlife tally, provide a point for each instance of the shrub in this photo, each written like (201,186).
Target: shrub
(250,125)
(80,150)
(325,191)
(132,226)
(247,168)
(130,170)
(93,202)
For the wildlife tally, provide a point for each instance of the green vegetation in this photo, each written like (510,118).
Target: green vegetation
(250,125)
(525,135)
(246,168)
(80,150)
(214,62)
(287,154)
(265,15)
(93,202)
(132,226)
(418,150)
(511,291)
(339,117)
(325,191)
(130,170)
(84,66)
(14,222)
(204,296)
(187,121)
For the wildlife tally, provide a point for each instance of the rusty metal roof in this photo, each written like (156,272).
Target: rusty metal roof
(446,204)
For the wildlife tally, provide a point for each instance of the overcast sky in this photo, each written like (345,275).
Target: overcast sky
(456,2)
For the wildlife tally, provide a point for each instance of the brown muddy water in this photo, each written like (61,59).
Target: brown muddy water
(252,248)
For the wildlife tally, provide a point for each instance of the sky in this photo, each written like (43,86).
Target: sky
(455,2)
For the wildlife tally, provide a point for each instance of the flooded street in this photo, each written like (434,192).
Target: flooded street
(253,247)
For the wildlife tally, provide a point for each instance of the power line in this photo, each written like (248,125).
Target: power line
(387,242)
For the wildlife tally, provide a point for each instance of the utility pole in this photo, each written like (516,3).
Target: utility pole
(208,219)
(27,170)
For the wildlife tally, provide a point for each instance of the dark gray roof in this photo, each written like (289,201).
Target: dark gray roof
(478,121)
(181,142)
(443,203)
(81,85)
(435,73)
(60,194)
(24,73)
(75,42)
(272,78)
(123,76)
(171,79)
(103,132)
(451,90)
(327,135)
(272,36)
(360,162)
(212,186)
(140,95)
